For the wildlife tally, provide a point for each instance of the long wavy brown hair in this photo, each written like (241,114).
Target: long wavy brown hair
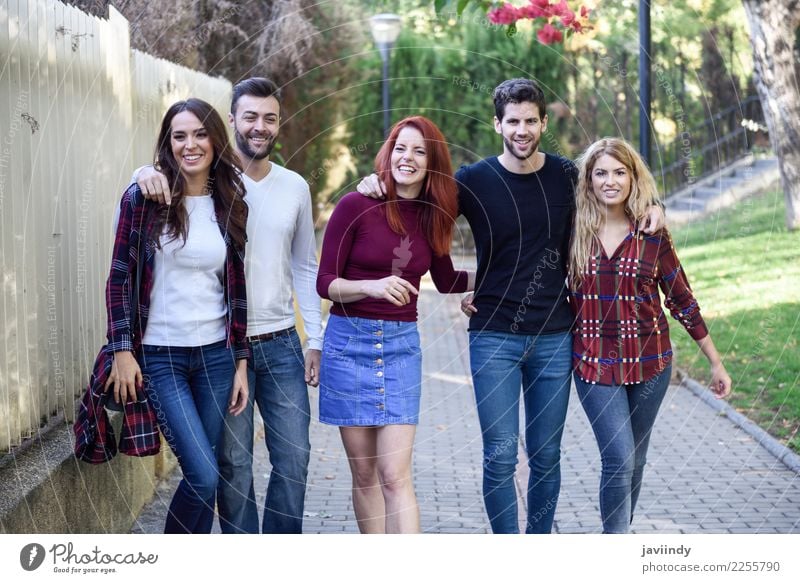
(224,182)
(439,191)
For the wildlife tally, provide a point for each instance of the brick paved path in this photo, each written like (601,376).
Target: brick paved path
(704,474)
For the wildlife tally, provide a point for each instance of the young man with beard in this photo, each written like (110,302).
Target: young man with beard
(519,207)
(280,258)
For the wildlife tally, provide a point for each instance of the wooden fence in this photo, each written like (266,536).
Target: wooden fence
(79,110)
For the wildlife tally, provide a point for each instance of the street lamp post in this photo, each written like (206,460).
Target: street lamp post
(645,68)
(385,30)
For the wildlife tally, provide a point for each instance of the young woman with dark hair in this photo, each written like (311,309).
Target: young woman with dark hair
(373,257)
(186,263)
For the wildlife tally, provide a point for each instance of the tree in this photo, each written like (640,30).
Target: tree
(446,67)
(720,84)
(285,40)
(773,28)
(774,39)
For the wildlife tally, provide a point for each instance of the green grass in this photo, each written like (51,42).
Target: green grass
(744,268)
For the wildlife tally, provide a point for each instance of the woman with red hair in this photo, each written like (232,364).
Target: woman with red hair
(373,256)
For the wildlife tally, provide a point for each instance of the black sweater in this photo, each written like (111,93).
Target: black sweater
(521,224)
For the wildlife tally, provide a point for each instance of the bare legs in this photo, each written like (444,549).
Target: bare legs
(361,446)
(383,490)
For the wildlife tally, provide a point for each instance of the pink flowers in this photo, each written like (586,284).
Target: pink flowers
(506,14)
(548,34)
(556,17)
(531,11)
(561,9)
(536,9)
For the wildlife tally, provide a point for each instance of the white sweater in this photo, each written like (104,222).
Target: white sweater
(187,305)
(281,255)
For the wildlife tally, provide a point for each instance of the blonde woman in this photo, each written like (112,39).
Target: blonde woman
(622,354)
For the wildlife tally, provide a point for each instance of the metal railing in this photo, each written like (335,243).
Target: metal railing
(704,149)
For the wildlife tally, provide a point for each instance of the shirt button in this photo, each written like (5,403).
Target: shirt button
(381,391)
(378,361)
(379,333)
(380,406)
(379,373)
(379,346)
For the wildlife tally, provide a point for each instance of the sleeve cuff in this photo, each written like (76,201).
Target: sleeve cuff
(698,332)
(241,351)
(323,283)
(121,343)
(314,344)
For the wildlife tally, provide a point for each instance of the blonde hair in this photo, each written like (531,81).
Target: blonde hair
(590,211)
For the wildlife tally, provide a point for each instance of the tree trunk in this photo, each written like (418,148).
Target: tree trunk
(772,32)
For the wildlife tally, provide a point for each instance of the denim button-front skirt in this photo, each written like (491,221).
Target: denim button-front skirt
(371,372)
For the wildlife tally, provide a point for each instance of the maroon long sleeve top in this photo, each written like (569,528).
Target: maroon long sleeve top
(360,245)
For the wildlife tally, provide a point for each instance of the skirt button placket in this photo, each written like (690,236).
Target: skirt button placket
(379,366)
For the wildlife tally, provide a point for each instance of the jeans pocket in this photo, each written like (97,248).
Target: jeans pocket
(340,378)
(410,342)
(339,347)
(290,341)
(488,344)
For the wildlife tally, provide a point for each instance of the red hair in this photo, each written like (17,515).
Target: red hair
(439,191)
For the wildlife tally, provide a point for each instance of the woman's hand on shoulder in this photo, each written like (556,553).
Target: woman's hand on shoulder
(393,289)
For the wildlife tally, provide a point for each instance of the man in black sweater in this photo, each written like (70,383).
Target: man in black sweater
(519,206)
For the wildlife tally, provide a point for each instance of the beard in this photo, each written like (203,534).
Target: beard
(249,152)
(512,148)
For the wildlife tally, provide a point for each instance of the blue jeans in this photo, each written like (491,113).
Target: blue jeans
(541,365)
(622,417)
(189,389)
(277,383)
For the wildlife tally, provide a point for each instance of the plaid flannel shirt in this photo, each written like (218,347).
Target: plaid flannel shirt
(94,437)
(621,334)
(94,441)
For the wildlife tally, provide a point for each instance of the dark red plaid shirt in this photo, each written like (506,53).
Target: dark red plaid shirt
(621,334)
(95,442)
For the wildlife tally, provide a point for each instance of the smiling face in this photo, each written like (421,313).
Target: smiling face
(409,162)
(611,181)
(521,127)
(255,126)
(191,145)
